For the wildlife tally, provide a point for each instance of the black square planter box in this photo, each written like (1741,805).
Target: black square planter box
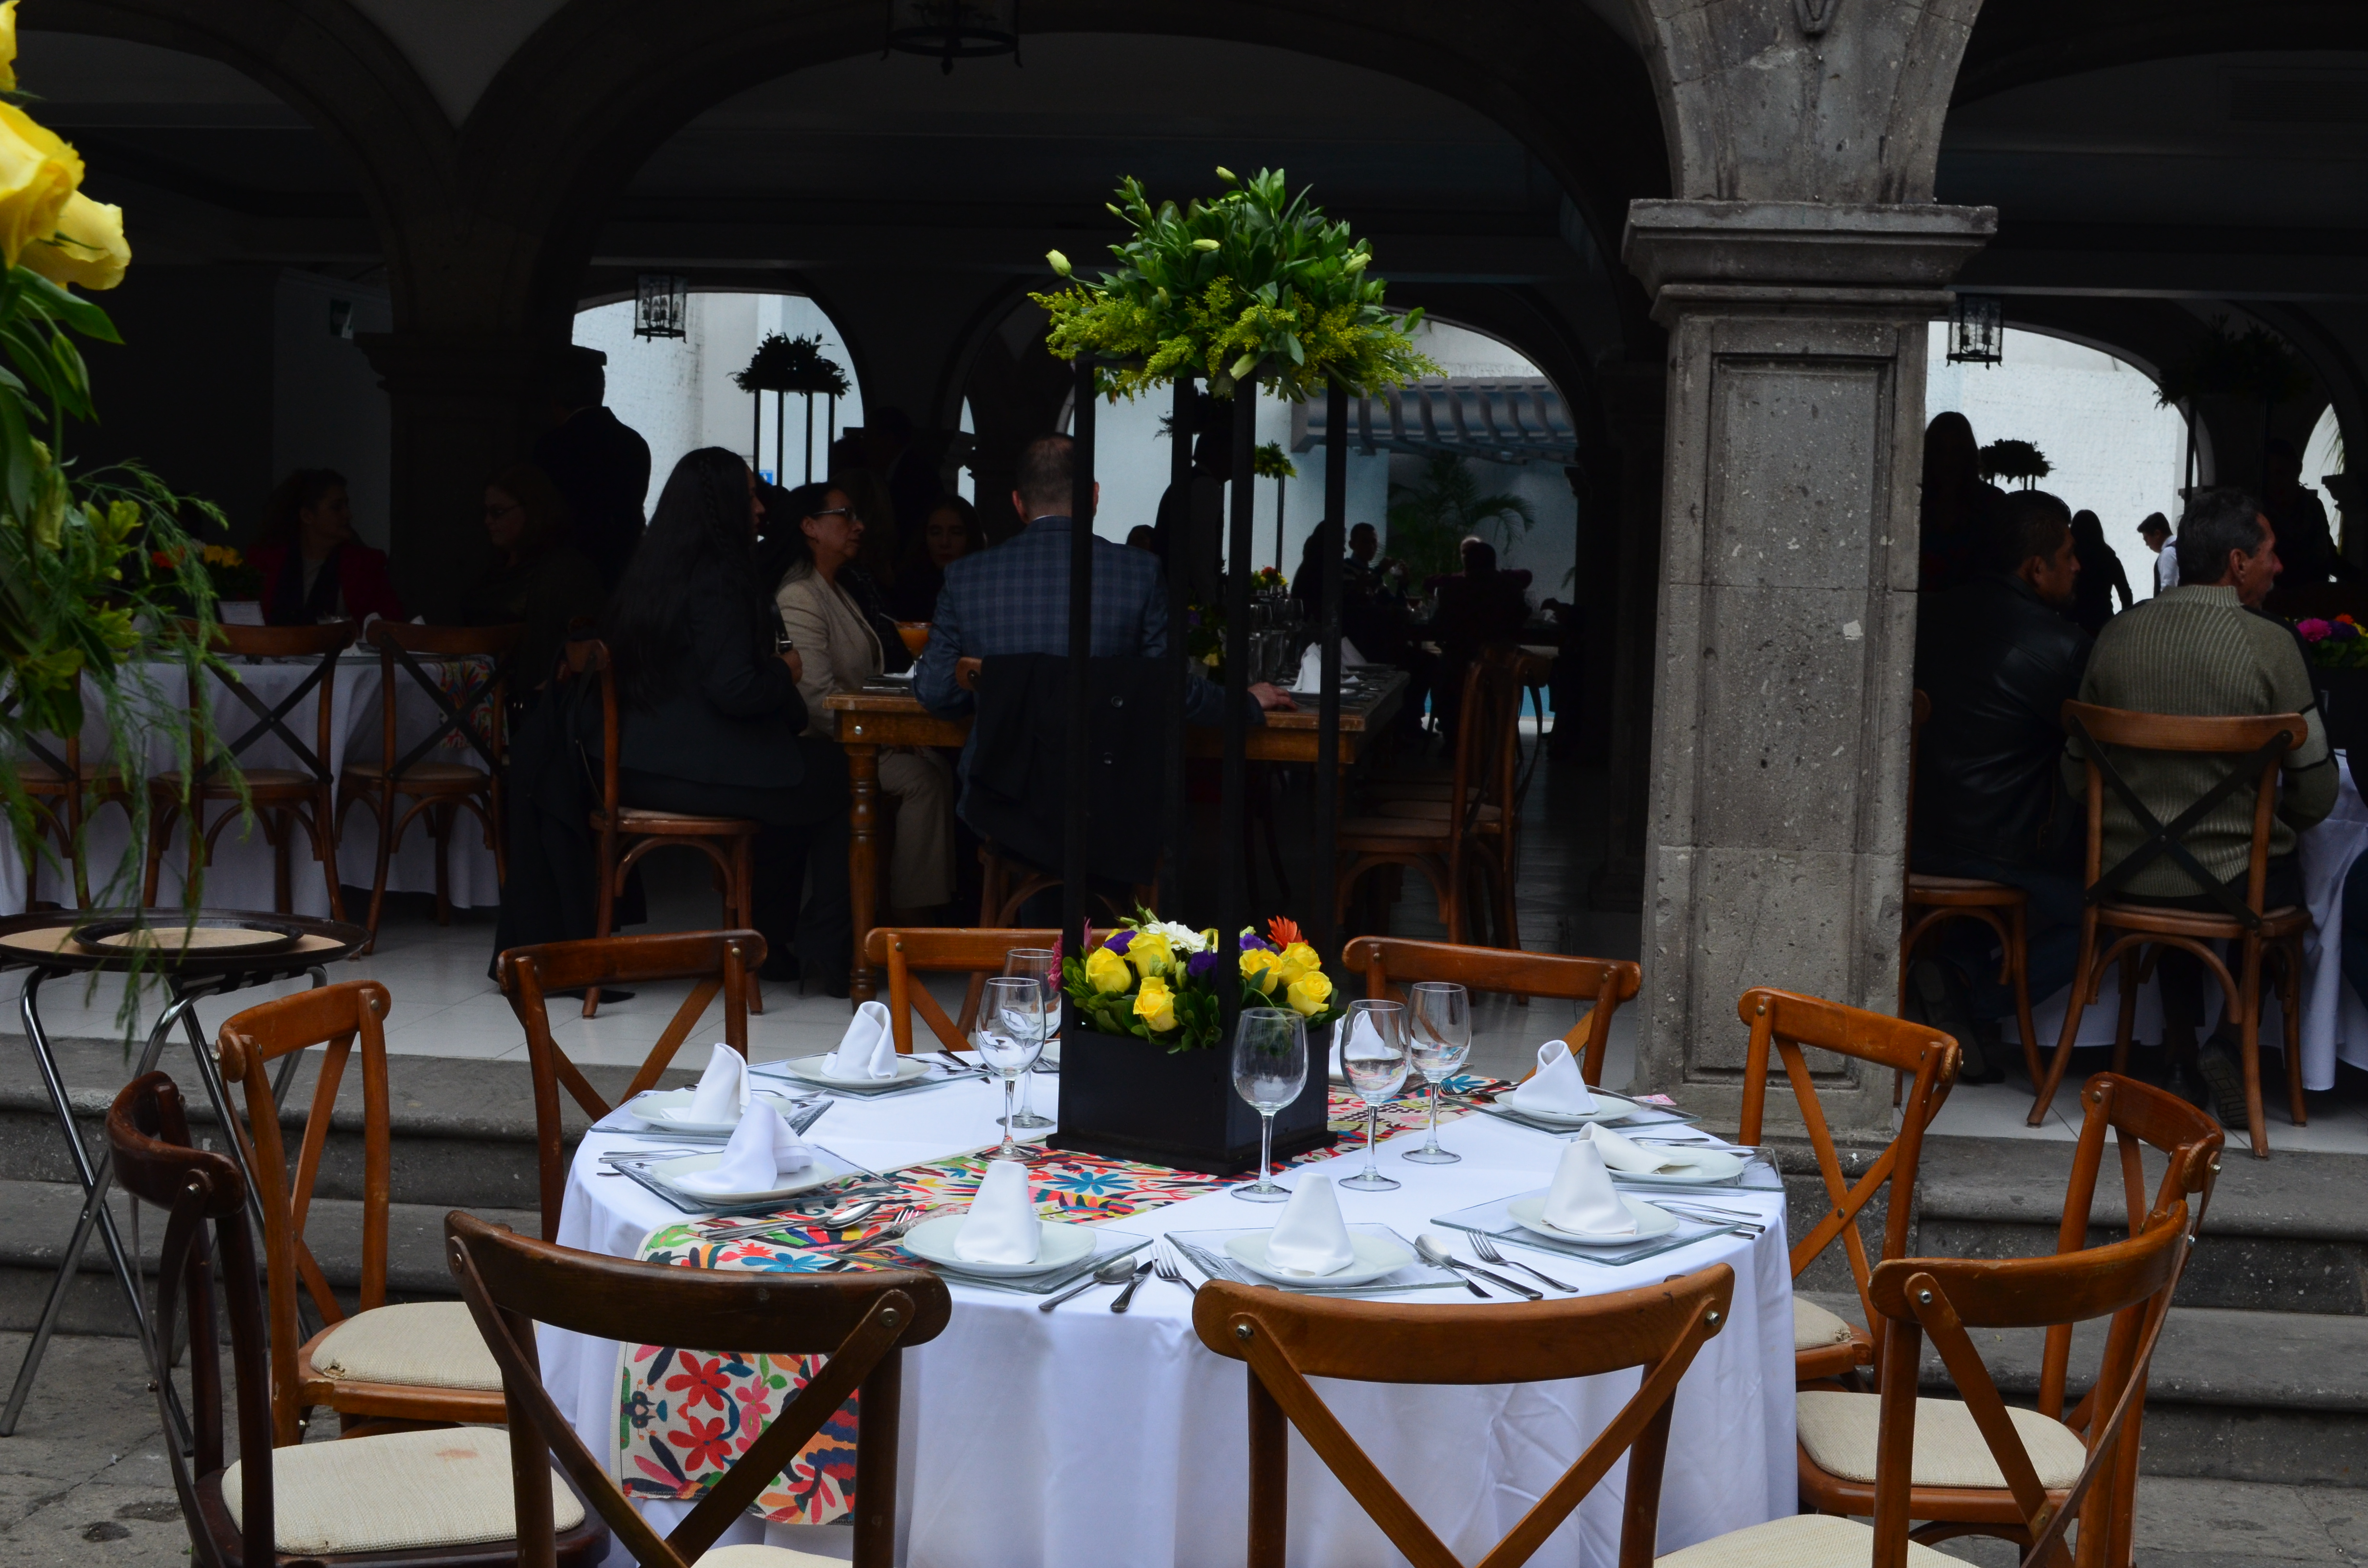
(1125,1098)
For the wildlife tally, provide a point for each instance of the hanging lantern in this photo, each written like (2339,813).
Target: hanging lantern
(661,305)
(953,30)
(1976,330)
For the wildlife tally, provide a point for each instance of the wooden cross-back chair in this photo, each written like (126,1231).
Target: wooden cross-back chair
(1784,1022)
(1392,962)
(863,1322)
(719,962)
(435,1498)
(60,795)
(1286,1339)
(908,952)
(416,1361)
(1441,847)
(2114,929)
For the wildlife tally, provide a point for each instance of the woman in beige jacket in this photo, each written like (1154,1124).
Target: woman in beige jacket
(840,653)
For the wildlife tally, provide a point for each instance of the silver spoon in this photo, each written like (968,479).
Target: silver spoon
(1117,1271)
(1434,1252)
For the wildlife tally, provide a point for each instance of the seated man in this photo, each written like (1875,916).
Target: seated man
(1997,656)
(2204,649)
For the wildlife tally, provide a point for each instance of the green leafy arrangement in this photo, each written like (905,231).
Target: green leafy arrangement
(792,365)
(2015,460)
(1430,519)
(1269,461)
(1255,285)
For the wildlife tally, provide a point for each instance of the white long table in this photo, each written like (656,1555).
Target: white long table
(1044,1441)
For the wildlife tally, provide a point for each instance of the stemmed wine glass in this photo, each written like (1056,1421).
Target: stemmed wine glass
(1009,1036)
(1269,1069)
(1043,965)
(1374,1055)
(1439,1020)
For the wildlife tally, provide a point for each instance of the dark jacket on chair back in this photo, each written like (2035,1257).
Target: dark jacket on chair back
(1998,665)
(732,713)
(1018,789)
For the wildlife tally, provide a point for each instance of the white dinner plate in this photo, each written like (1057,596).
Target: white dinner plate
(816,1070)
(1708,1165)
(1058,1246)
(1376,1256)
(668,1110)
(815,1175)
(1530,1214)
(1608,1107)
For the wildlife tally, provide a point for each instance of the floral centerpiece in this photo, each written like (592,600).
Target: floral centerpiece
(1267,580)
(2337,645)
(1159,980)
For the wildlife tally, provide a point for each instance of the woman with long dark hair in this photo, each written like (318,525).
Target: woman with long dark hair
(710,710)
(313,569)
(2100,574)
(950,532)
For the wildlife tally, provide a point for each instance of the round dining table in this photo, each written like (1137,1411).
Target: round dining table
(1035,1440)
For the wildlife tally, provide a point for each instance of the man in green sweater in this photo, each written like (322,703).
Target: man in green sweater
(2204,649)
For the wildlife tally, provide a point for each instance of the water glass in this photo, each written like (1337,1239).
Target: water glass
(1269,1070)
(1377,1057)
(1043,965)
(1439,1024)
(1009,1036)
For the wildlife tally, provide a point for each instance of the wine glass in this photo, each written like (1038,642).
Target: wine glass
(1439,1020)
(1375,1057)
(1269,1069)
(1009,1036)
(1042,966)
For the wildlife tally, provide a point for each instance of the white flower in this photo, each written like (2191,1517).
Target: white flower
(1180,937)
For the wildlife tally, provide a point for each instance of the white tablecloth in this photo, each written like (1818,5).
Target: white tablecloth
(1083,1436)
(241,875)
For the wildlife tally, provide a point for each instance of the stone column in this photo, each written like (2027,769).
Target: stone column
(1775,852)
(1635,397)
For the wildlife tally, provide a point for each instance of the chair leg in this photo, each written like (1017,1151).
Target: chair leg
(743,896)
(2248,1044)
(383,806)
(2289,1004)
(283,894)
(160,832)
(605,911)
(2127,1023)
(2019,952)
(439,823)
(2073,1007)
(325,845)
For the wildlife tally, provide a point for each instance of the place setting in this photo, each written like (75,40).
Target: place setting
(1001,1242)
(1582,1213)
(866,1064)
(1314,1250)
(762,1165)
(1557,1100)
(710,1110)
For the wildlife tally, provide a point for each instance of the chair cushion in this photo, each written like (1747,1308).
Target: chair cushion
(1814,1328)
(421,772)
(446,1486)
(1837,1433)
(749,1555)
(428,1343)
(1802,1540)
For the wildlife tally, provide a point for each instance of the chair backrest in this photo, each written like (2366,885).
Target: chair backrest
(154,1160)
(1390,963)
(1785,1022)
(860,1321)
(1288,1338)
(321,643)
(589,656)
(1475,727)
(480,688)
(2254,745)
(2130,1281)
(720,962)
(940,950)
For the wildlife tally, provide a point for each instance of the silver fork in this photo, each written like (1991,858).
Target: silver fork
(1488,1252)
(1166,1268)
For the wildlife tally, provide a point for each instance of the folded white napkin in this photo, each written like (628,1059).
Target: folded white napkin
(1001,1226)
(1626,1154)
(1557,1086)
(761,1151)
(1310,1238)
(722,1092)
(1581,1199)
(1362,1035)
(1311,665)
(868,1049)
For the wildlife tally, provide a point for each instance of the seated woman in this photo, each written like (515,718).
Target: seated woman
(842,650)
(713,715)
(536,579)
(313,568)
(870,578)
(950,533)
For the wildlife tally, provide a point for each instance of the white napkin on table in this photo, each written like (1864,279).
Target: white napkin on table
(1626,1154)
(1557,1086)
(1311,665)
(761,1150)
(868,1049)
(1581,1199)
(1311,1238)
(722,1092)
(1001,1226)
(1364,1035)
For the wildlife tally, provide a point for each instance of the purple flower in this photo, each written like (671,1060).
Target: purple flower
(1199,966)
(1192,618)
(1117,941)
(1254,943)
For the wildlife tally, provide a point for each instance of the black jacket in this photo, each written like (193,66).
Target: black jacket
(732,711)
(1018,785)
(602,466)
(1997,665)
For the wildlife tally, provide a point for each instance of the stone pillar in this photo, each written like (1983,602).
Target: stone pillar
(1634,398)
(1775,851)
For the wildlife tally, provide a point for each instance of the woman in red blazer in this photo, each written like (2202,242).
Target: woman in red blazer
(313,568)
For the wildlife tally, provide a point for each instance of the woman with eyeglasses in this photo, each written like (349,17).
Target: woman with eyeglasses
(843,649)
(537,579)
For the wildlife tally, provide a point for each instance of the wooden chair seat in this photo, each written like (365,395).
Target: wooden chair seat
(373,1356)
(1963,892)
(1440,811)
(1396,832)
(1799,1540)
(2286,920)
(681,824)
(394,1492)
(430,775)
(262,783)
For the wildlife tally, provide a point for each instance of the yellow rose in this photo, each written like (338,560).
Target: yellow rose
(1262,968)
(1310,993)
(1298,959)
(89,248)
(1107,972)
(8,47)
(1150,954)
(1154,1006)
(38,173)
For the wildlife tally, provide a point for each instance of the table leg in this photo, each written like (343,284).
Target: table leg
(862,860)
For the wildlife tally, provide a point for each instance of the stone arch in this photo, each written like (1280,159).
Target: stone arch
(2016,42)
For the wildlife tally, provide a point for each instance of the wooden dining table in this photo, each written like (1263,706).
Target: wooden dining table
(885,713)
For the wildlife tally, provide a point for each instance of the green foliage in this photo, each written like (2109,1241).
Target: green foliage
(1270,462)
(1430,519)
(1254,285)
(791,365)
(2015,460)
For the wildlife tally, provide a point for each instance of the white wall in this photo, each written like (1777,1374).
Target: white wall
(327,409)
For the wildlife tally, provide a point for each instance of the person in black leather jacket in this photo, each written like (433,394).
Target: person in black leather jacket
(1997,656)
(710,711)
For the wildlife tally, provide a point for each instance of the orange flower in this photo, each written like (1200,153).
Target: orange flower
(1282,932)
